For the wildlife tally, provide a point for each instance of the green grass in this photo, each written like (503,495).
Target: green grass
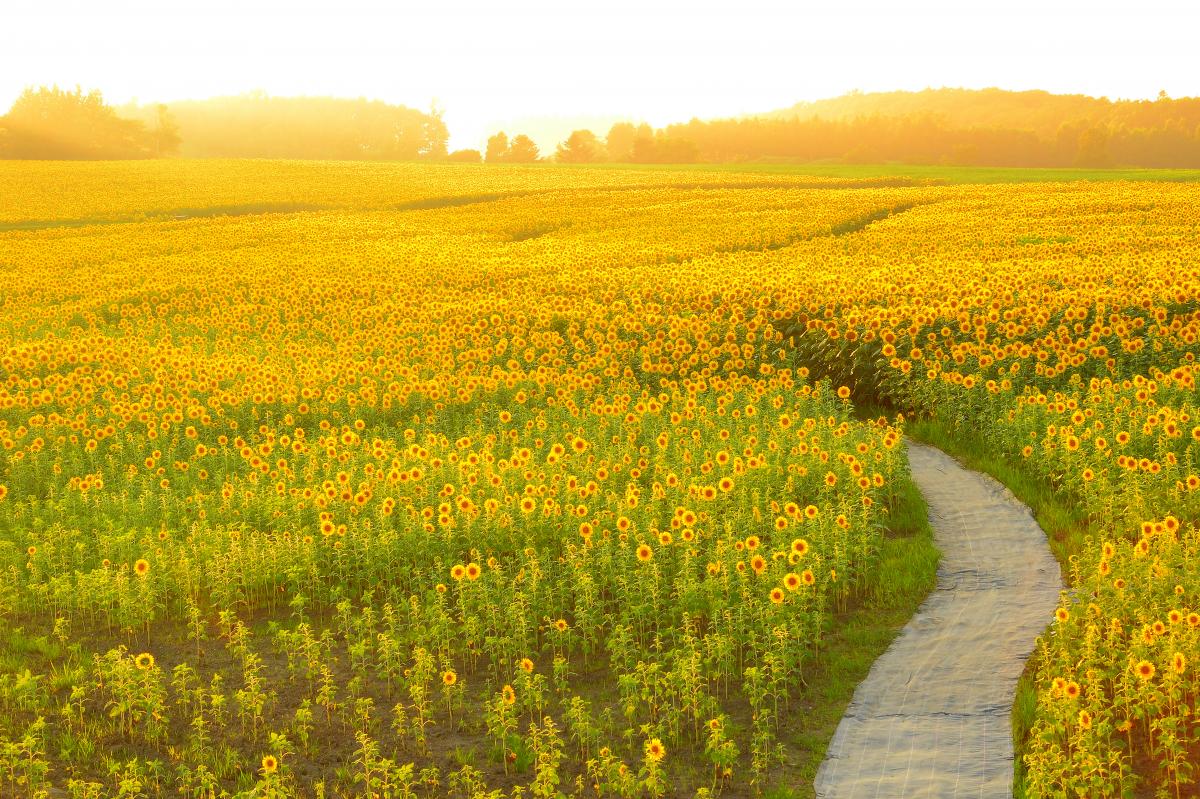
(906,573)
(931,173)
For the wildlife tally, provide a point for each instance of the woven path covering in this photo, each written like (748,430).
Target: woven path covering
(932,718)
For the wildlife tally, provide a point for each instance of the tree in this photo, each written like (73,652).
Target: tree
(55,123)
(619,141)
(465,157)
(436,133)
(522,150)
(1092,148)
(166,135)
(581,147)
(497,148)
(643,150)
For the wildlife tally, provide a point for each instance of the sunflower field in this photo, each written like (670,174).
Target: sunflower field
(333,480)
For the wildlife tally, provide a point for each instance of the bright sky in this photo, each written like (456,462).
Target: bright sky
(487,62)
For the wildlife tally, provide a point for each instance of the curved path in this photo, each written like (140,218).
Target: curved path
(932,718)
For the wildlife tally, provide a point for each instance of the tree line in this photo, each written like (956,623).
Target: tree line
(988,127)
(53,123)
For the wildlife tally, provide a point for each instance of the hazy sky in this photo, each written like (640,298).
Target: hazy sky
(660,61)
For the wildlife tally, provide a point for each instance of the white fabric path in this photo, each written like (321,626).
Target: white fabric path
(932,718)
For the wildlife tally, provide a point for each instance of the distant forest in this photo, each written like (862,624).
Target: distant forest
(989,127)
(59,124)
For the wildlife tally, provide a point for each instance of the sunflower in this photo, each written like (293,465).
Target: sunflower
(807,577)
(777,595)
(800,547)
(142,567)
(758,563)
(561,625)
(449,678)
(270,764)
(791,581)
(473,571)
(458,571)
(144,661)
(1144,669)
(644,553)
(1061,614)
(508,694)
(1178,663)
(526,665)
(655,750)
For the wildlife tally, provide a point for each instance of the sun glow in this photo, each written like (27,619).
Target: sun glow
(494,65)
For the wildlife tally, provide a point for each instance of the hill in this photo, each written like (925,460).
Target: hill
(986,127)
(1038,111)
